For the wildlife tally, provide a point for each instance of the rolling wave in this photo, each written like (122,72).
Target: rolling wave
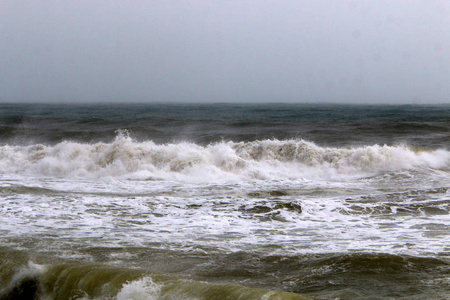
(83,281)
(265,159)
(345,275)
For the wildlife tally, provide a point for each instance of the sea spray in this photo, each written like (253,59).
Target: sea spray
(142,289)
(266,159)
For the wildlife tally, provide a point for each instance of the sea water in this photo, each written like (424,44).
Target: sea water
(224,201)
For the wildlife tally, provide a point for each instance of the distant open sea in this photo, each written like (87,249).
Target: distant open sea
(224,201)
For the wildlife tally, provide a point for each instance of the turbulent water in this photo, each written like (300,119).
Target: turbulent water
(224,202)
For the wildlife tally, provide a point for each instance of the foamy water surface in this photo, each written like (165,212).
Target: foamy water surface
(268,214)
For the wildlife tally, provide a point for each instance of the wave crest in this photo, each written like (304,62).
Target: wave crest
(263,159)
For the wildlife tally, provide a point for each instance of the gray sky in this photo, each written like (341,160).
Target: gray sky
(225,51)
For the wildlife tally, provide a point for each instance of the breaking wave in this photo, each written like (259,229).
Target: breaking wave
(95,282)
(265,159)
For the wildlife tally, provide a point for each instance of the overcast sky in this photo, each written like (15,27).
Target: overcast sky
(225,51)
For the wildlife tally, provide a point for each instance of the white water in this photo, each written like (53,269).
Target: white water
(221,162)
(142,289)
(228,196)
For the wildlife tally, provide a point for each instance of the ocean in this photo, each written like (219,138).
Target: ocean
(224,201)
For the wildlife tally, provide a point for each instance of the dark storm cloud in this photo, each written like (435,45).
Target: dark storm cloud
(201,51)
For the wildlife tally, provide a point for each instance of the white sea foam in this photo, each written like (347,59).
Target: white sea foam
(267,159)
(220,195)
(142,289)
